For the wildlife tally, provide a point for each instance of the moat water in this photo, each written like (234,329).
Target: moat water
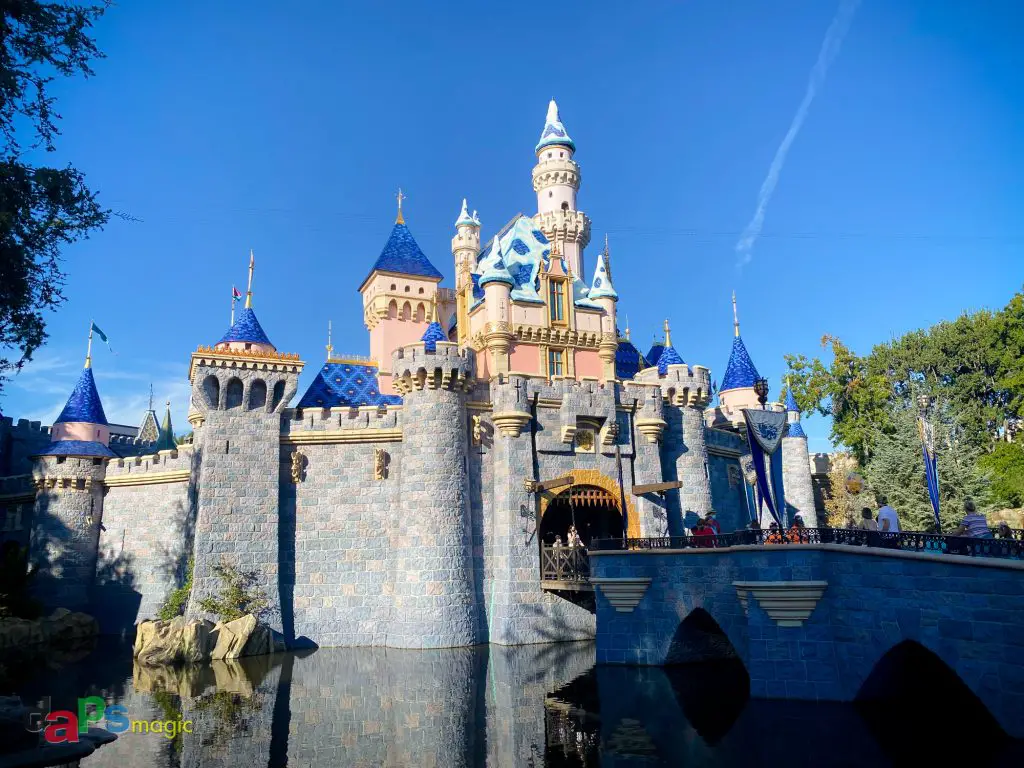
(541,705)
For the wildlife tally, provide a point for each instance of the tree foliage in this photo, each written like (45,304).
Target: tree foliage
(177,600)
(1005,466)
(239,595)
(42,209)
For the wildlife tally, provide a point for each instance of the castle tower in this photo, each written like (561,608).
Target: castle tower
(432,553)
(397,295)
(603,293)
(239,388)
(497,286)
(556,180)
(465,249)
(166,440)
(737,389)
(68,513)
(684,453)
(796,466)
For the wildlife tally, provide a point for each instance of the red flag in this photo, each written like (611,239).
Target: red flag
(235,293)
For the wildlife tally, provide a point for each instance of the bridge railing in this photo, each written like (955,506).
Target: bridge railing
(1012,548)
(565,564)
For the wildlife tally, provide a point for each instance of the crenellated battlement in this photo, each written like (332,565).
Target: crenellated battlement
(681,385)
(24,427)
(16,485)
(413,367)
(297,421)
(153,463)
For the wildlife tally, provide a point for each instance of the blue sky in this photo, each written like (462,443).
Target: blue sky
(228,126)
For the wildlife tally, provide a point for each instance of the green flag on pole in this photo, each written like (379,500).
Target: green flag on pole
(96,329)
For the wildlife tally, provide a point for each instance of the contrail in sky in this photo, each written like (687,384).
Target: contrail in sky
(829,50)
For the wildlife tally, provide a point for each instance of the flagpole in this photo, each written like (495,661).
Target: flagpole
(88,350)
(232,307)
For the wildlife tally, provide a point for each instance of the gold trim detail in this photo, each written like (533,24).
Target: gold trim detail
(343,436)
(148,478)
(599,480)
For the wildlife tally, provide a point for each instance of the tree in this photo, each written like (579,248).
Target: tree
(896,470)
(842,506)
(42,209)
(1005,465)
(239,595)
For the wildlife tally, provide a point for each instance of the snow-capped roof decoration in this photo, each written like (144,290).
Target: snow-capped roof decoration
(77,448)
(497,272)
(84,404)
(602,286)
(402,255)
(740,371)
(628,360)
(341,383)
(465,219)
(554,132)
(246,329)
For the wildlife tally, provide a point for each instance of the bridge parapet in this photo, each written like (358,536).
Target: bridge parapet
(968,611)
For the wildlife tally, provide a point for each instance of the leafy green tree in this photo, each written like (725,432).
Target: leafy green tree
(239,595)
(42,209)
(1005,467)
(896,470)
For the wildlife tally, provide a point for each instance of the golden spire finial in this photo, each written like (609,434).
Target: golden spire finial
(668,336)
(735,316)
(627,325)
(434,318)
(330,347)
(248,291)
(400,219)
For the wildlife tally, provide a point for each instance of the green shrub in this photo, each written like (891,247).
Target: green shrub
(177,601)
(239,594)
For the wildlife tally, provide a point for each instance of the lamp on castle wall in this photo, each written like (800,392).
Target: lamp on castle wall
(761,390)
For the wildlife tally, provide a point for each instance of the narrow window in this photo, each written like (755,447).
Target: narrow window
(556,300)
(227,447)
(555,361)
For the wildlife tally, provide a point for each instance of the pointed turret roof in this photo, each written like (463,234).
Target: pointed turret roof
(790,400)
(464,218)
(495,269)
(166,440)
(554,132)
(654,353)
(246,329)
(434,332)
(795,428)
(628,360)
(668,355)
(84,404)
(602,285)
(402,255)
(740,372)
(347,384)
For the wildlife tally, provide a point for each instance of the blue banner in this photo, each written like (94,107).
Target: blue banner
(931,473)
(763,486)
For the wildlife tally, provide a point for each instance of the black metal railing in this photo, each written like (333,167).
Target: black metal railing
(1012,548)
(565,564)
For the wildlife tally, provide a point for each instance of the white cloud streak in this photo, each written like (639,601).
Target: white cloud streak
(830,47)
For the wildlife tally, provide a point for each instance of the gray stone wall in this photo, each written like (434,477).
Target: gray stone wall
(66,528)
(797,481)
(433,591)
(238,454)
(18,443)
(685,457)
(146,539)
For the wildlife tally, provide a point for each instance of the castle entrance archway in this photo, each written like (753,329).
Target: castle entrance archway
(593,511)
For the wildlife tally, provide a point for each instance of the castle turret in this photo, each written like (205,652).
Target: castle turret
(238,393)
(497,285)
(465,245)
(432,555)
(603,294)
(396,296)
(796,466)
(684,453)
(556,180)
(166,440)
(737,389)
(68,475)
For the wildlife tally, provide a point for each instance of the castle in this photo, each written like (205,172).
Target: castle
(408,499)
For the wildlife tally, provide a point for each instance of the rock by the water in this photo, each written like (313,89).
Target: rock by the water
(194,641)
(62,628)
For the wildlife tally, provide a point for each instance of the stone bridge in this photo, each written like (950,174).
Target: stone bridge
(821,621)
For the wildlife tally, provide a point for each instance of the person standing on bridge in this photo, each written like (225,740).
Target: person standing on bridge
(888,521)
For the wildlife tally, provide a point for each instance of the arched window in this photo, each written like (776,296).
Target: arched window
(565,206)
(234,394)
(406,311)
(420,290)
(421,312)
(393,309)
(394,287)
(258,395)
(278,395)
(407,289)
(211,390)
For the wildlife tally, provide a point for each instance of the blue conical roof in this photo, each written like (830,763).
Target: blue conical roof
(628,360)
(654,353)
(246,329)
(740,371)
(791,401)
(84,403)
(668,357)
(432,335)
(403,256)
(796,430)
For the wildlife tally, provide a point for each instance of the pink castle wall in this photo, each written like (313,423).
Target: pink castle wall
(525,358)
(587,363)
(81,430)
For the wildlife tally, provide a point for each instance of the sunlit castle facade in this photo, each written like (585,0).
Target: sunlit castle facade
(412,497)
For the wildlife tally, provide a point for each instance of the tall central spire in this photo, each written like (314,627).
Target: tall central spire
(400,219)
(735,316)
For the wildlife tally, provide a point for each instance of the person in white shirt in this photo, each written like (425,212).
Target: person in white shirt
(888,521)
